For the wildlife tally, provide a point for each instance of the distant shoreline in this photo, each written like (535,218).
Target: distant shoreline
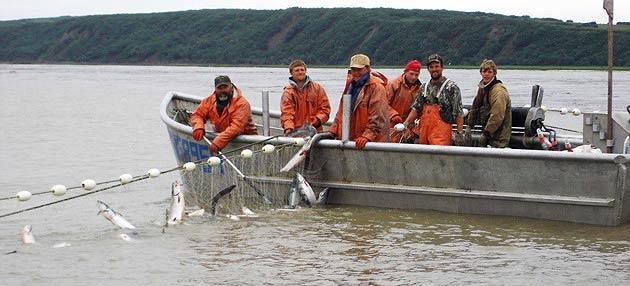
(502,67)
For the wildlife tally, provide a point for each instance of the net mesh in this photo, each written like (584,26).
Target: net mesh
(205,182)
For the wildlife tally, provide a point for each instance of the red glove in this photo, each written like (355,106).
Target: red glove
(316,123)
(198,134)
(360,142)
(214,149)
(395,120)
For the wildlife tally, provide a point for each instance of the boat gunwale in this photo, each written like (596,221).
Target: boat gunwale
(400,148)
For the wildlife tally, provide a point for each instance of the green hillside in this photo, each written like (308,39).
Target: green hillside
(319,36)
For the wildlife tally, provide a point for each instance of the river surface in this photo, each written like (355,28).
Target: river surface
(62,124)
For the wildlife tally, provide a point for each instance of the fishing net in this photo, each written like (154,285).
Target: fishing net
(262,171)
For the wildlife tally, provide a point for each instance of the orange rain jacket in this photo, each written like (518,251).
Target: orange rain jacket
(235,120)
(369,116)
(400,96)
(301,107)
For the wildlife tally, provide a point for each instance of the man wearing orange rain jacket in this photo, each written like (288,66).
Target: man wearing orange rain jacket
(303,101)
(401,93)
(368,120)
(228,111)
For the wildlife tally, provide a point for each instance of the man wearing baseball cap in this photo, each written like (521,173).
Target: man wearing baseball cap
(401,93)
(368,119)
(229,112)
(439,104)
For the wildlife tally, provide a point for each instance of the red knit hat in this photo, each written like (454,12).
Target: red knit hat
(413,65)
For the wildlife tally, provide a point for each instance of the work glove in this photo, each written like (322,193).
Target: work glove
(198,134)
(360,142)
(459,139)
(316,123)
(214,148)
(287,131)
(468,136)
(483,140)
(395,120)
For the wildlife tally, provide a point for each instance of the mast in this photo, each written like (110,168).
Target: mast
(608,6)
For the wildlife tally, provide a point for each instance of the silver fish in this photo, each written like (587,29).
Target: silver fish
(62,245)
(294,196)
(303,152)
(27,234)
(246,212)
(178,205)
(113,216)
(323,197)
(305,190)
(198,212)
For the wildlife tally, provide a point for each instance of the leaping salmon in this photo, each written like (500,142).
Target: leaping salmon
(113,216)
(178,205)
(27,234)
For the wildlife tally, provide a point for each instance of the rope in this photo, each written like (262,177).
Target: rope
(564,129)
(79,187)
(134,179)
(70,198)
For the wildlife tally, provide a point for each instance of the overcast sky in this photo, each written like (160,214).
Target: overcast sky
(577,10)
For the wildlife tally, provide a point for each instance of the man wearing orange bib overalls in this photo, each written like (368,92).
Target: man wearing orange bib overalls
(439,104)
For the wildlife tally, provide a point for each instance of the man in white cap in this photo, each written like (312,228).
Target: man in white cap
(369,108)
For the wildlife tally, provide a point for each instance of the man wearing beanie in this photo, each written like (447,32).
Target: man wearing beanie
(229,112)
(368,119)
(401,93)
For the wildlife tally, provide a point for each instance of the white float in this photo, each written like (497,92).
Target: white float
(153,173)
(214,161)
(246,153)
(576,111)
(268,148)
(59,190)
(564,110)
(23,196)
(88,184)
(299,141)
(399,127)
(125,178)
(189,166)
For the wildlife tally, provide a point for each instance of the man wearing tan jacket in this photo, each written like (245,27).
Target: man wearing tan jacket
(492,108)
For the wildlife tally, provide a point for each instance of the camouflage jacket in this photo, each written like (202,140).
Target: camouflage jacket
(446,94)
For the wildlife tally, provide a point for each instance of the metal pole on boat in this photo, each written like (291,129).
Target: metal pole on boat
(608,6)
(265,113)
(345,121)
